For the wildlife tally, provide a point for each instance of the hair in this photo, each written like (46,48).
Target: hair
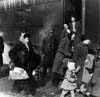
(27,36)
(84,37)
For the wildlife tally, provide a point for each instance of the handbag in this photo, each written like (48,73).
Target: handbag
(18,74)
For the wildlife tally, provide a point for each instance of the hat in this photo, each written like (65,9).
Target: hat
(71,65)
(84,37)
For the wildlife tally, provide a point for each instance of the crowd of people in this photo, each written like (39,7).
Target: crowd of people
(70,65)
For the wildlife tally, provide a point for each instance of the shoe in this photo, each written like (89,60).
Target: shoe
(77,90)
(24,93)
(88,93)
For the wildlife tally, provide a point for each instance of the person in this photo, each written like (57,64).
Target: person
(65,31)
(1,51)
(69,82)
(88,72)
(49,48)
(62,52)
(96,76)
(79,57)
(20,55)
(75,28)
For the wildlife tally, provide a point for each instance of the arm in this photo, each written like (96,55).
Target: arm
(76,57)
(64,47)
(68,77)
(62,34)
(13,55)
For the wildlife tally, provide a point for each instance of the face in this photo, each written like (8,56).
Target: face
(22,37)
(26,40)
(87,42)
(65,26)
(73,19)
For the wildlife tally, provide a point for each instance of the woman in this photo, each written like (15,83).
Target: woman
(21,55)
(62,52)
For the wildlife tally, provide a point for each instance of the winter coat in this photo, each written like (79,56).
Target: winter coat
(79,58)
(22,57)
(87,65)
(69,82)
(62,52)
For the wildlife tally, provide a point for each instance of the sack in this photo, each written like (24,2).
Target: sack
(18,74)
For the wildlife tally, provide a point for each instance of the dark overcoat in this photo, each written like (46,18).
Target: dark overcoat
(49,49)
(62,52)
(18,55)
(79,58)
(22,57)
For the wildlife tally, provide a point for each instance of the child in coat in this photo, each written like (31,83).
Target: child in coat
(69,82)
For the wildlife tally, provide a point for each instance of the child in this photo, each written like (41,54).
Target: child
(69,82)
(87,73)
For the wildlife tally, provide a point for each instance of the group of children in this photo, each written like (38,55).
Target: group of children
(69,83)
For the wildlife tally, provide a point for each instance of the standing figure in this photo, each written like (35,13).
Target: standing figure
(1,51)
(69,82)
(65,32)
(49,48)
(80,56)
(62,52)
(20,55)
(75,28)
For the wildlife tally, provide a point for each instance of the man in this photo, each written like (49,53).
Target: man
(1,51)
(49,48)
(75,29)
(79,57)
(74,25)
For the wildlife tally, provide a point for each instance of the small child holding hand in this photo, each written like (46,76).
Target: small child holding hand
(69,82)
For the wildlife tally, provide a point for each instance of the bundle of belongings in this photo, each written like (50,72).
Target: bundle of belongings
(18,74)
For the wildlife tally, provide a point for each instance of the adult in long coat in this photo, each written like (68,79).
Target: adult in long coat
(62,52)
(79,58)
(49,49)
(21,55)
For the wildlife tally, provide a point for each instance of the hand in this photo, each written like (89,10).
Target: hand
(91,75)
(86,61)
(34,72)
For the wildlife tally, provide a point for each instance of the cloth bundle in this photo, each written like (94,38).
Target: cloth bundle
(18,74)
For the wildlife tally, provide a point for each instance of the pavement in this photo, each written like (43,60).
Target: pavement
(6,90)
(43,91)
